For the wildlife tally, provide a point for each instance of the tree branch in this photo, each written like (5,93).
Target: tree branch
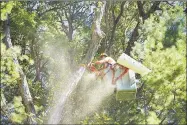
(97,34)
(152,9)
(171,4)
(52,9)
(115,25)
(133,38)
(140,9)
(23,85)
(113,15)
(64,27)
(121,12)
(144,15)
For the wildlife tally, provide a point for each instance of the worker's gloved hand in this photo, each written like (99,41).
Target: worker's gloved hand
(90,64)
(91,67)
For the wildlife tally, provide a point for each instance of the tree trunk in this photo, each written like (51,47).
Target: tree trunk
(103,45)
(70,34)
(23,85)
(97,35)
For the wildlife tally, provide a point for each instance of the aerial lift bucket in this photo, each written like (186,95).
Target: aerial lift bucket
(126,86)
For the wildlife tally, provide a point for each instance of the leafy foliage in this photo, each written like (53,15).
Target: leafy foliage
(40,33)
(6,8)
(19,115)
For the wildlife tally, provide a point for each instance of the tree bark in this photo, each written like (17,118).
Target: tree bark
(103,45)
(23,85)
(70,25)
(97,34)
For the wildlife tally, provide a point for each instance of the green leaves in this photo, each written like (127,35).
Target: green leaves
(24,57)
(98,119)
(41,43)
(6,8)
(152,118)
(163,50)
(9,75)
(99,4)
(19,115)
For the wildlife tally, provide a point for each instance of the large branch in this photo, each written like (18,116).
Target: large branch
(97,34)
(23,85)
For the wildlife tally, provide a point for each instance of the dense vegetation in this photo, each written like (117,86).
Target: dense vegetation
(43,42)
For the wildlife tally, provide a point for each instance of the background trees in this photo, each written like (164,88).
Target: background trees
(50,39)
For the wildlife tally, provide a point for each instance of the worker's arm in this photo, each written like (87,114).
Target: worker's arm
(101,61)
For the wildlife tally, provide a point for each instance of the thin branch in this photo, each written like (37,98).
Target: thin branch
(140,8)
(43,65)
(79,9)
(162,120)
(152,9)
(152,95)
(82,21)
(52,9)
(115,24)
(121,12)
(113,15)
(171,4)
(64,27)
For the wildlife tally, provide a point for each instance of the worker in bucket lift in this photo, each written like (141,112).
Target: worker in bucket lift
(107,61)
(111,63)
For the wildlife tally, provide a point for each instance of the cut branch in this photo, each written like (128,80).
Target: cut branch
(97,34)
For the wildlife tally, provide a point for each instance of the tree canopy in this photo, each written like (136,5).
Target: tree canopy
(45,42)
